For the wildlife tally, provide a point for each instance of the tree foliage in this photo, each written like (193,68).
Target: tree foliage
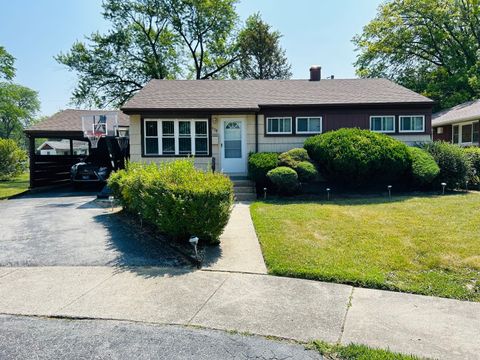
(140,46)
(206,28)
(261,56)
(152,39)
(429,46)
(18,106)
(7,70)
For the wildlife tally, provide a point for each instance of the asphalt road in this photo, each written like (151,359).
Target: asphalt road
(72,229)
(45,338)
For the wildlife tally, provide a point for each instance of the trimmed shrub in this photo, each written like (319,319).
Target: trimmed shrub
(453,162)
(285,180)
(284,159)
(306,171)
(292,157)
(177,198)
(13,160)
(259,164)
(424,168)
(299,154)
(355,158)
(473,155)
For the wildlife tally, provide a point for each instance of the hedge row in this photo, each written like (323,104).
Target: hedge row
(354,158)
(180,200)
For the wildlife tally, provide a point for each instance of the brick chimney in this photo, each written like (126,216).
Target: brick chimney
(315,73)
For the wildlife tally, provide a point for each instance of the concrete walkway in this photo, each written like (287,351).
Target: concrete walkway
(239,250)
(266,305)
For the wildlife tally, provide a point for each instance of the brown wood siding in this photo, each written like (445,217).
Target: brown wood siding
(335,117)
(446,136)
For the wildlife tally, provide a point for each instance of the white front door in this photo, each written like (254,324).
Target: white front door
(233,146)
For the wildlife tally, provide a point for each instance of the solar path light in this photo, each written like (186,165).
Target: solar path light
(443,187)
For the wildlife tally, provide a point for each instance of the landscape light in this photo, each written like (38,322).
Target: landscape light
(389,187)
(328,193)
(111,199)
(265,193)
(194,241)
(443,187)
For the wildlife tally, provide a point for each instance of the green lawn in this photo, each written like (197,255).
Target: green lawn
(14,187)
(357,352)
(427,245)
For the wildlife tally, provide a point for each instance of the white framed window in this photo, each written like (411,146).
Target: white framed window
(309,125)
(466,134)
(279,125)
(382,123)
(412,123)
(176,137)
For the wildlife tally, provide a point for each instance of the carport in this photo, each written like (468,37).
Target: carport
(58,142)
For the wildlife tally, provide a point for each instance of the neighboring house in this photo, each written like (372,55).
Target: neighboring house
(62,147)
(459,124)
(224,120)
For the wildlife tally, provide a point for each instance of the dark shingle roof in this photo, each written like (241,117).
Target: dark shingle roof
(466,111)
(70,120)
(252,94)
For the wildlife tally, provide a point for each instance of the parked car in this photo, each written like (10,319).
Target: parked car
(86,172)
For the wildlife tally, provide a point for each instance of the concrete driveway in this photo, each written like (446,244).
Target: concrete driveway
(71,229)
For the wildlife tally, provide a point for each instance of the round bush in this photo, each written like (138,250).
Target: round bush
(453,162)
(298,154)
(292,157)
(355,158)
(177,198)
(424,168)
(259,164)
(285,180)
(473,155)
(13,160)
(307,172)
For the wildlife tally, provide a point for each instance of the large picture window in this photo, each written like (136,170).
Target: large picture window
(309,125)
(279,125)
(173,137)
(382,123)
(412,123)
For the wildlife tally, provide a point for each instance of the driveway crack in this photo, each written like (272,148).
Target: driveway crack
(206,301)
(349,305)
(87,292)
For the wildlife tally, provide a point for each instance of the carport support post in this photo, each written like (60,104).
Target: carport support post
(31,151)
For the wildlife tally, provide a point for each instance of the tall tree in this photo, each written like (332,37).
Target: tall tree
(7,70)
(152,39)
(139,47)
(430,46)
(206,28)
(18,106)
(261,56)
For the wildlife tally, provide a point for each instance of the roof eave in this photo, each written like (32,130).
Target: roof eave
(139,110)
(454,121)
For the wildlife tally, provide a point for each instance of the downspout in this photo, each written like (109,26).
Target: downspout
(256,132)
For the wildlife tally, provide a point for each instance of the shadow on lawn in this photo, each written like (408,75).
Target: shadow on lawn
(352,199)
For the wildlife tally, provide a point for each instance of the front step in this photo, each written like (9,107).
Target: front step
(244,190)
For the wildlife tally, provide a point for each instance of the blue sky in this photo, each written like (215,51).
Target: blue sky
(314,32)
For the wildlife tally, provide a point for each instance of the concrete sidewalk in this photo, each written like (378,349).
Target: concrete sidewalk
(266,305)
(239,250)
